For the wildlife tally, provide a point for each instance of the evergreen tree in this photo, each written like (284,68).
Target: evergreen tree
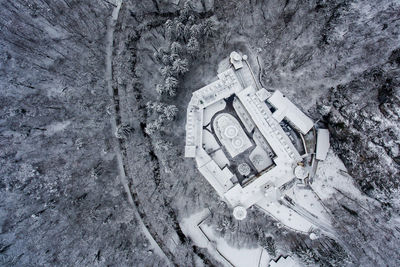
(171,84)
(179,30)
(166,71)
(209,27)
(186,11)
(163,146)
(123,131)
(193,46)
(180,66)
(166,60)
(195,30)
(153,127)
(170,112)
(160,89)
(169,29)
(176,48)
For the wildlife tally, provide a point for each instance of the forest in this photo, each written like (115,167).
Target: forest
(92,126)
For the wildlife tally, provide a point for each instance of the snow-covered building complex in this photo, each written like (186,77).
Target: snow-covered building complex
(245,139)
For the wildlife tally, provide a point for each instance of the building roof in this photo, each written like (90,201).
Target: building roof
(236,60)
(190,151)
(269,128)
(322,144)
(286,109)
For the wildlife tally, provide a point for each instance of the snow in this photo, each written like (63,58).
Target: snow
(243,115)
(211,171)
(239,257)
(331,173)
(209,142)
(260,159)
(286,216)
(211,110)
(231,134)
(220,158)
(322,144)
(56,127)
(189,227)
(285,108)
(122,175)
(200,235)
(309,201)
(269,128)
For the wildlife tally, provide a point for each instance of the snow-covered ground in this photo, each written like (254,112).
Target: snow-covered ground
(286,216)
(331,176)
(204,237)
(189,226)
(239,257)
(307,199)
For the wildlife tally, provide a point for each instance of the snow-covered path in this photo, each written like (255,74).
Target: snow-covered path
(117,148)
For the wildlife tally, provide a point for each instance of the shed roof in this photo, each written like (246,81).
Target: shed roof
(322,144)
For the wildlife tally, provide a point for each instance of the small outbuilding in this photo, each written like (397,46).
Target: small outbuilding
(322,144)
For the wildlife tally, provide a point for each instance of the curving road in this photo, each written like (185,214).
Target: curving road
(116,143)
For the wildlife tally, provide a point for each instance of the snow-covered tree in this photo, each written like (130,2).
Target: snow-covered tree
(196,30)
(193,46)
(176,48)
(157,55)
(160,89)
(186,32)
(159,107)
(123,131)
(153,127)
(166,60)
(173,57)
(171,84)
(166,71)
(170,112)
(163,146)
(179,29)
(209,27)
(169,29)
(186,11)
(306,255)
(191,20)
(180,66)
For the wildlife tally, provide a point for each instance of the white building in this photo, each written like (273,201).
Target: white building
(322,144)
(229,124)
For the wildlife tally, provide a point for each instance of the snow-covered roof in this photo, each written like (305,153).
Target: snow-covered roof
(286,109)
(219,179)
(268,127)
(194,123)
(236,60)
(226,85)
(215,135)
(190,151)
(322,144)
(263,94)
